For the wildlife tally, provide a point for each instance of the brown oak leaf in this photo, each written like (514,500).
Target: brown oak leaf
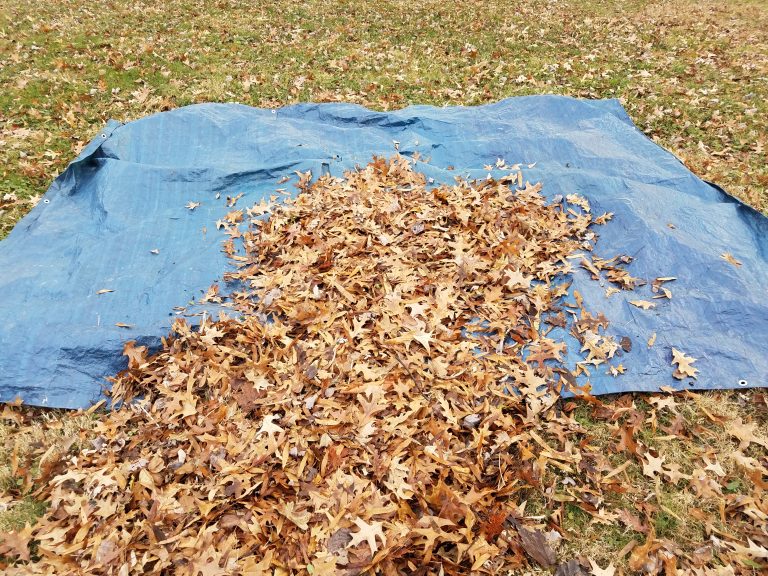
(368,533)
(683,362)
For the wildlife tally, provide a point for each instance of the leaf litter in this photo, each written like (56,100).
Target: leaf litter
(384,397)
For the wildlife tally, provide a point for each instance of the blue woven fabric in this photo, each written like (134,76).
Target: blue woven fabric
(125,196)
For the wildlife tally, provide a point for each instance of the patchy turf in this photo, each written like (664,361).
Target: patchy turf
(692,75)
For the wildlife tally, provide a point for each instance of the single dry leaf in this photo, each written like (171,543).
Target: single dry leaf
(645,559)
(663,402)
(715,467)
(728,257)
(752,551)
(301,519)
(571,568)
(683,362)
(536,546)
(652,465)
(672,472)
(136,354)
(368,533)
(268,426)
(15,544)
(744,432)
(609,570)
(632,521)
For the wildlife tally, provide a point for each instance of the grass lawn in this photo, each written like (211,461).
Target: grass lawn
(693,75)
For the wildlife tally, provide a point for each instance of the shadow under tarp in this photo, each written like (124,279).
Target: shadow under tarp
(116,219)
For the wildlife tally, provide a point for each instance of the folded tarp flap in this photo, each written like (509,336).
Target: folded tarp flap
(127,235)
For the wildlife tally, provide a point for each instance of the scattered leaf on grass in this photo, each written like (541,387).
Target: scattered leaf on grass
(652,465)
(535,544)
(609,570)
(368,533)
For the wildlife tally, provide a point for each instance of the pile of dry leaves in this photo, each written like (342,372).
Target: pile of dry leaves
(387,399)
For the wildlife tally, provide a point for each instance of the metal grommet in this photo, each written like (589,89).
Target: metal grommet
(103,135)
(46,201)
(743,383)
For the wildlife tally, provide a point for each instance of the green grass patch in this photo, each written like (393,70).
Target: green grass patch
(24,512)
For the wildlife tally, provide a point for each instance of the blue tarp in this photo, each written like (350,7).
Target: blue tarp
(125,195)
